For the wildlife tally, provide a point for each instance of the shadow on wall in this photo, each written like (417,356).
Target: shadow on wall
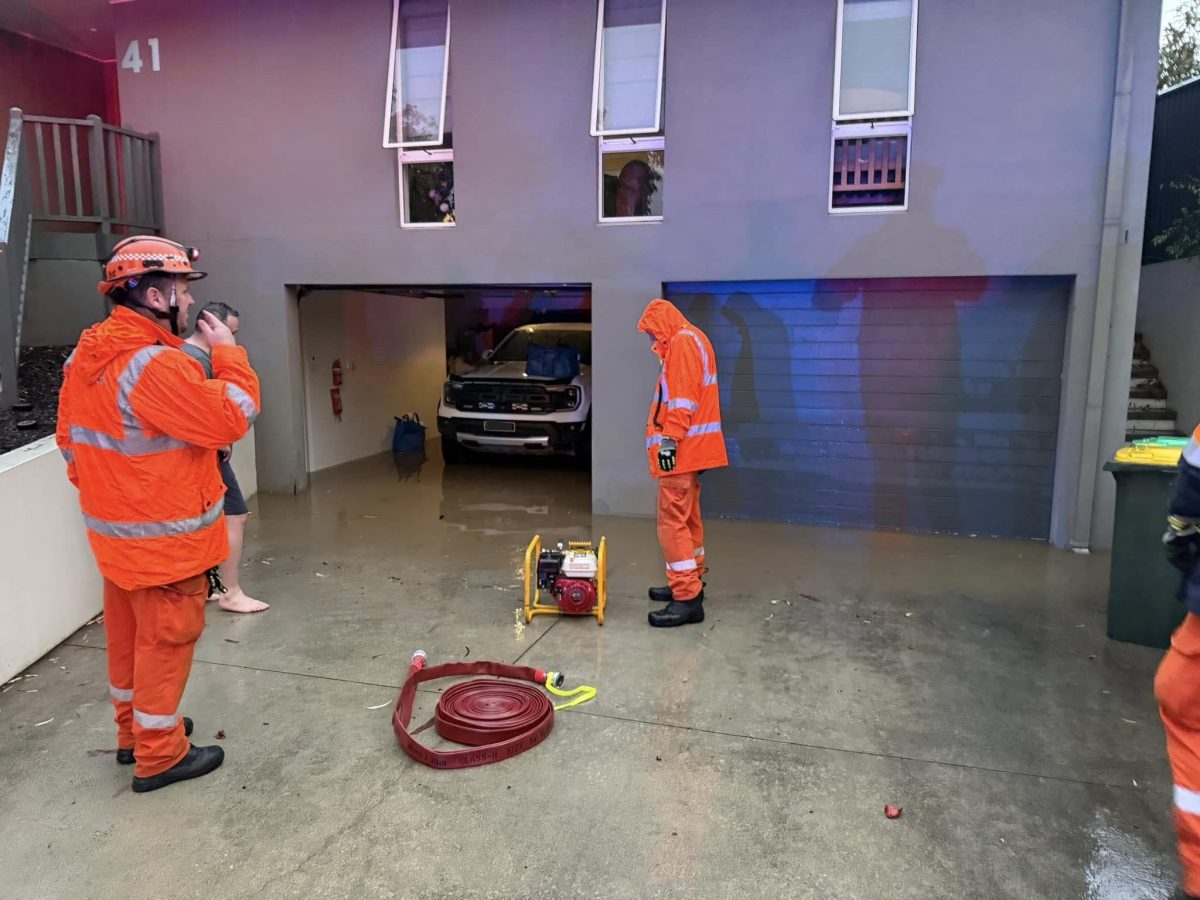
(920,404)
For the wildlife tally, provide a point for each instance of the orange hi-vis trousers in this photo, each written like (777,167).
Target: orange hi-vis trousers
(1177,687)
(151,634)
(681,533)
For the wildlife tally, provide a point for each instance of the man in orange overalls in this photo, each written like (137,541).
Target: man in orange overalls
(683,439)
(139,425)
(1177,685)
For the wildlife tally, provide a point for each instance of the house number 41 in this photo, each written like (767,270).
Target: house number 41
(133,56)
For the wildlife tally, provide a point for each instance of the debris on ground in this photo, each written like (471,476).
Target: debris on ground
(380,706)
(231,641)
(893,812)
(220,735)
(47,722)
(92,754)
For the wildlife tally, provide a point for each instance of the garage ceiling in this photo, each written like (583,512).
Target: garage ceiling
(81,26)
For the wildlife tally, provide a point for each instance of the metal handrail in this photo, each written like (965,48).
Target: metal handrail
(16,223)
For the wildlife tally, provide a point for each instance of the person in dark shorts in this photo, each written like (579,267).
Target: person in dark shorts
(236,512)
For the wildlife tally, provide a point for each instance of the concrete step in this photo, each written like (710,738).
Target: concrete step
(1155,414)
(1143,369)
(1149,390)
(1134,434)
(1140,351)
(1142,403)
(1150,427)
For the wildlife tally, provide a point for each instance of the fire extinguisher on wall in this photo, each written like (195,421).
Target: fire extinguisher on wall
(335,392)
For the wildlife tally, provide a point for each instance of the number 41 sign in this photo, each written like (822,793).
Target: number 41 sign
(133,56)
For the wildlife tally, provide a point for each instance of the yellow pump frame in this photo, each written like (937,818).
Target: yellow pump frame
(534,606)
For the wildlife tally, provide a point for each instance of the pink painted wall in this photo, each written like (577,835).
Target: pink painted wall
(46,81)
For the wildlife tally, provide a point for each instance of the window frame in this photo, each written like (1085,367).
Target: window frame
(842,131)
(838,115)
(598,82)
(393,77)
(626,145)
(416,157)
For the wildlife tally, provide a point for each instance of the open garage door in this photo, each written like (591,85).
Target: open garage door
(915,404)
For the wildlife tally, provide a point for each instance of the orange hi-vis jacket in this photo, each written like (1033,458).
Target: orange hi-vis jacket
(686,406)
(138,424)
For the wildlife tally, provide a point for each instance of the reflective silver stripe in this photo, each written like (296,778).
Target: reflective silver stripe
(136,443)
(710,380)
(683,404)
(653,441)
(67,455)
(699,552)
(1187,801)
(70,359)
(1192,452)
(684,565)
(707,428)
(244,401)
(158,723)
(700,346)
(152,529)
(121,694)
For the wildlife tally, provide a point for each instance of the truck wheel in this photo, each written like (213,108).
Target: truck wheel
(453,452)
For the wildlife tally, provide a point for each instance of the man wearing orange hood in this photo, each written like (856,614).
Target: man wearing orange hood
(138,425)
(683,439)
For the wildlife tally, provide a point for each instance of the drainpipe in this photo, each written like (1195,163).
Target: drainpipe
(1113,281)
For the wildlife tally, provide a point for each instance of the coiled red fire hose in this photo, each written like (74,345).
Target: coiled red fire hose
(495,719)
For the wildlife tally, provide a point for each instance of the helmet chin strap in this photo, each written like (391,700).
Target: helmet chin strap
(168,315)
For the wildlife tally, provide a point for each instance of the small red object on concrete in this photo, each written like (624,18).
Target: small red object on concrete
(221,735)
(892,812)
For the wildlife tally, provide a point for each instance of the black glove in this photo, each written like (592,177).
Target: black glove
(1182,543)
(666,455)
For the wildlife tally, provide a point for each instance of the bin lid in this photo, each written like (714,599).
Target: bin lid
(1146,455)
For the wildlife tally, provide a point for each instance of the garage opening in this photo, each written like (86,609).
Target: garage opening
(923,404)
(498,376)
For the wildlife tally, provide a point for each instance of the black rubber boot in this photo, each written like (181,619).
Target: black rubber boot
(679,612)
(126,758)
(664,595)
(199,761)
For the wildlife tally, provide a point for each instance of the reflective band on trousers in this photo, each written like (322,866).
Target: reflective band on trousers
(684,565)
(1192,452)
(1187,801)
(152,529)
(67,455)
(158,723)
(122,694)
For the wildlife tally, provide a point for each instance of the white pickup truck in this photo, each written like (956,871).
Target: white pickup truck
(498,407)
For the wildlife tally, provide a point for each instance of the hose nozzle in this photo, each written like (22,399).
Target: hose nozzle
(418,660)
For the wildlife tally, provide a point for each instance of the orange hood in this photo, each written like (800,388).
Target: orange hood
(121,332)
(662,321)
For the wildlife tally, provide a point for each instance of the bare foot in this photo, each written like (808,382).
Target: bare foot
(238,602)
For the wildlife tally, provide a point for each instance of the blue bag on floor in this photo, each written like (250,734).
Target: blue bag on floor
(559,363)
(409,436)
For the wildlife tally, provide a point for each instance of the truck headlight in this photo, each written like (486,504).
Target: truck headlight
(448,394)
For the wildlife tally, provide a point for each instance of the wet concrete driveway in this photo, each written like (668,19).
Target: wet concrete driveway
(969,682)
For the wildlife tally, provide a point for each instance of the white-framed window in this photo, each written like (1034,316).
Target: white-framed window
(418,74)
(426,187)
(869,167)
(631,179)
(627,79)
(875,62)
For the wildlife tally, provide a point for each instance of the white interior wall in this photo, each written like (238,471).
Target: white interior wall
(393,356)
